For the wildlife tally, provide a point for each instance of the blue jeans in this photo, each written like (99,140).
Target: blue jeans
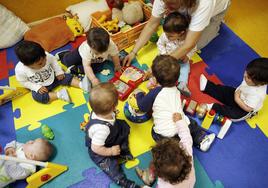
(44,98)
(111,166)
(184,72)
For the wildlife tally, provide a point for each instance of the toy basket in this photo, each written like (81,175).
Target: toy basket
(125,39)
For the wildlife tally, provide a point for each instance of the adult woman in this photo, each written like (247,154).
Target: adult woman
(206,17)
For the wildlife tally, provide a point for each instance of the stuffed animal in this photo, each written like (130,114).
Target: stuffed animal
(131,13)
(74,25)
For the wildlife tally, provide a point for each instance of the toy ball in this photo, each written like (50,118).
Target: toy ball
(132,112)
(201,110)
(47,132)
(154,38)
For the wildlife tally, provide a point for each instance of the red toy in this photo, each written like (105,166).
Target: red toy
(127,81)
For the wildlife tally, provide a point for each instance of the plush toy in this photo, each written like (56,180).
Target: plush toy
(47,132)
(131,12)
(74,25)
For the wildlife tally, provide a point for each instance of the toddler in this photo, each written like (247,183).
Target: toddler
(40,72)
(175,28)
(172,161)
(106,136)
(91,53)
(246,100)
(165,100)
(10,171)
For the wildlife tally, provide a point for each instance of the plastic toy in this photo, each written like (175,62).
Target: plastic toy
(154,38)
(190,108)
(132,111)
(201,110)
(47,173)
(225,125)
(208,119)
(83,124)
(74,25)
(47,132)
(127,81)
(111,26)
(12,94)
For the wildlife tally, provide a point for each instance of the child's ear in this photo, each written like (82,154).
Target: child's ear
(31,156)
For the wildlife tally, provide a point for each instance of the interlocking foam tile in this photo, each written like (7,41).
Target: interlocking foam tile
(4,65)
(35,112)
(93,180)
(261,119)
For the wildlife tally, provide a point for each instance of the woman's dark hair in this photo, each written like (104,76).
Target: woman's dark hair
(176,23)
(170,161)
(166,70)
(257,71)
(98,39)
(29,52)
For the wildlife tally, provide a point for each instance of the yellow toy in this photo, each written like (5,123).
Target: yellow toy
(49,172)
(111,26)
(12,94)
(208,119)
(74,26)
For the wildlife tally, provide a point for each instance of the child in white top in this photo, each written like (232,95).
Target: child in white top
(40,72)
(175,28)
(245,100)
(10,171)
(92,53)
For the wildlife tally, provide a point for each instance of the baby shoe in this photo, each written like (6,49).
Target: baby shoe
(145,175)
(59,55)
(203,82)
(207,141)
(63,95)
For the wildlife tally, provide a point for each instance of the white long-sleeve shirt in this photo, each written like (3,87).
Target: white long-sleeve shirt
(166,46)
(34,79)
(11,171)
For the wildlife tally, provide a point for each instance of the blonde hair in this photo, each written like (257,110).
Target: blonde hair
(103,98)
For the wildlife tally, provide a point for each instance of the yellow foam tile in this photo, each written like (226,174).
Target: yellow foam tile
(32,112)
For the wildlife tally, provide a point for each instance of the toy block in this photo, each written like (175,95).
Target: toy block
(208,119)
(224,128)
(191,107)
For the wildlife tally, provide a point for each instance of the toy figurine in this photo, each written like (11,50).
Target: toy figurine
(47,132)
(201,110)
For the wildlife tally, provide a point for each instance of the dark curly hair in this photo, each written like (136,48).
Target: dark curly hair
(170,161)
(175,22)
(257,71)
(166,70)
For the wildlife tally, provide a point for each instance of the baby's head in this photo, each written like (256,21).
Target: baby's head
(38,149)
(166,70)
(256,73)
(98,39)
(31,54)
(170,161)
(103,98)
(175,26)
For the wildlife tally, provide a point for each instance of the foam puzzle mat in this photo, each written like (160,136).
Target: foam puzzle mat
(239,160)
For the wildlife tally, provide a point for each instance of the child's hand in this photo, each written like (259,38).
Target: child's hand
(11,152)
(60,77)
(237,95)
(95,81)
(118,68)
(43,90)
(176,117)
(115,150)
(185,59)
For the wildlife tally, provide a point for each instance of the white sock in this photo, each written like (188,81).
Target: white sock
(203,82)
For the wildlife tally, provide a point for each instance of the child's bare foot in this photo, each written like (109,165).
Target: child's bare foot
(145,175)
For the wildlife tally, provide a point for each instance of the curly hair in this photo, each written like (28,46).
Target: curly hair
(166,70)
(257,71)
(170,161)
(176,23)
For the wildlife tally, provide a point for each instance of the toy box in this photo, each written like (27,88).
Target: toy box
(125,39)
(127,81)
